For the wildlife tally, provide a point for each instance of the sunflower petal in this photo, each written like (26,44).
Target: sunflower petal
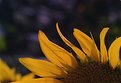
(80,54)
(87,44)
(42,68)
(28,76)
(5,72)
(55,53)
(18,76)
(113,52)
(103,50)
(40,80)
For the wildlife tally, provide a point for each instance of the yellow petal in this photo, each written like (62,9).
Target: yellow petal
(18,76)
(87,44)
(40,80)
(113,52)
(42,68)
(28,76)
(80,54)
(103,50)
(55,53)
(5,72)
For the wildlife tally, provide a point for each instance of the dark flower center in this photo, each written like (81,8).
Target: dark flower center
(94,73)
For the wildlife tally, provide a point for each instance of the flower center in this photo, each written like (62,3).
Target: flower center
(94,73)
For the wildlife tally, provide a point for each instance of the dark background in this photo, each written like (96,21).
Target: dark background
(20,21)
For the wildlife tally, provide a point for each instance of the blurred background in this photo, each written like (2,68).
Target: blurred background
(20,21)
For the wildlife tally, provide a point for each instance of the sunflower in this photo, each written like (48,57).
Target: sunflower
(8,74)
(88,66)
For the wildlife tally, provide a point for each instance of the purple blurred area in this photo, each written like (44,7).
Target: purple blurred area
(20,21)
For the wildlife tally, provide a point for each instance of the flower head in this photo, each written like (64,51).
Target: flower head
(95,66)
(8,74)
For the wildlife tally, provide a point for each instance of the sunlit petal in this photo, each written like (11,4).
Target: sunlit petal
(80,54)
(28,76)
(113,52)
(87,44)
(103,50)
(5,72)
(40,80)
(55,53)
(18,76)
(42,68)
